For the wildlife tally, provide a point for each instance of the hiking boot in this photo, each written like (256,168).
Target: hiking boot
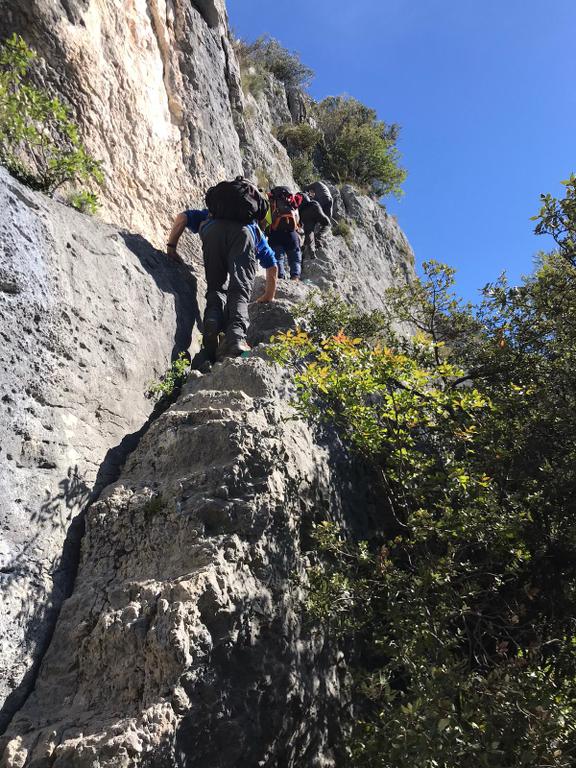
(233,348)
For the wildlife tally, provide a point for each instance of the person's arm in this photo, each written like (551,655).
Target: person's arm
(179,225)
(267,259)
(270,289)
(192,220)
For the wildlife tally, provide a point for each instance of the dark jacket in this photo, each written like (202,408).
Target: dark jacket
(311,214)
(323,196)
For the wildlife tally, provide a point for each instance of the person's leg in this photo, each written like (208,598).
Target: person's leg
(320,235)
(214,248)
(242,270)
(295,261)
(309,247)
(280,253)
(294,254)
(327,206)
(276,242)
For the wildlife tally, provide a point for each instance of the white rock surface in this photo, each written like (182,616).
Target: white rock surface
(153,85)
(184,642)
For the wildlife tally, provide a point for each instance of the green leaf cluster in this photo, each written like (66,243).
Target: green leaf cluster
(171,380)
(39,142)
(460,607)
(343,228)
(357,147)
(346,144)
(558,219)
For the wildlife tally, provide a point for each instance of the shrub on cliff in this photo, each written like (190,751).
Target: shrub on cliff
(558,219)
(268,54)
(357,147)
(301,141)
(39,142)
(461,607)
(348,144)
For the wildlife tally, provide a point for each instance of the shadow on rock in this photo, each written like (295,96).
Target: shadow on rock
(56,511)
(174,278)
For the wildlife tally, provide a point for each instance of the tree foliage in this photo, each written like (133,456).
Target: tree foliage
(462,604)
(357,147)
(347,144)
(558,218)
(266,53)
(173,378)
(39,142)
(345,141)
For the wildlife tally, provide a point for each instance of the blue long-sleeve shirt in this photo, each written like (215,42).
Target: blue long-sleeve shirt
(264,254)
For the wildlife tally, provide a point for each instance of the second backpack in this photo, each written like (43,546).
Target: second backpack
(283,207)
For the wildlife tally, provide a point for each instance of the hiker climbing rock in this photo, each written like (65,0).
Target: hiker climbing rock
(284,238)
(314,220)
(231,243)
(319,191)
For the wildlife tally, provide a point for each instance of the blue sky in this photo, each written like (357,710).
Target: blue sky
(485,92)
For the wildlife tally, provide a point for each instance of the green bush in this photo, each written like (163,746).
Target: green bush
(253,79)
(39,143)
(357,147)
(85,202)
(323,315)
(298,138)
(343,229)
(348,143)
(460,607)
(301,141)
(268,54)
(558,219)
(173,378)
(303,170)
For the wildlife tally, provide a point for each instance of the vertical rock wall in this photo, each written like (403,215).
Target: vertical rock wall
(185,642)
(88,316)
(153,85)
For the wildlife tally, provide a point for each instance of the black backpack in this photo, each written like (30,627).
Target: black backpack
(236,200)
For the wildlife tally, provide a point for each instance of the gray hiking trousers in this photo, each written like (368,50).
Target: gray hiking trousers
(229,255)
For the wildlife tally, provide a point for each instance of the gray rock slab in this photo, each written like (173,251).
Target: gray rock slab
(88,316)
(184,641)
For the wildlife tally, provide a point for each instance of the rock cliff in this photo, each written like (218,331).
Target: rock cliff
(183,640)
(155,88)
(88,315)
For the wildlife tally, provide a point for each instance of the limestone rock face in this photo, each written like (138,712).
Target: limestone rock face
(184,642)
(369,254)
(88,315)
(264,158)
(153,85)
